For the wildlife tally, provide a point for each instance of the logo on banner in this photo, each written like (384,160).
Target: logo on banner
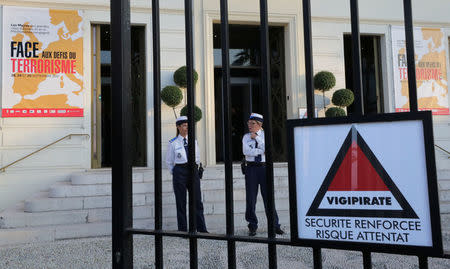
(357,185)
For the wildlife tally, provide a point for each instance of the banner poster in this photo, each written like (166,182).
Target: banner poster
(42,62)
(431,70)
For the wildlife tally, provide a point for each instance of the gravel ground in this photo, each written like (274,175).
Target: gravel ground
(96,253)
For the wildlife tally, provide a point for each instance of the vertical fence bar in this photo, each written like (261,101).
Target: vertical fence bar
(122,242)
(309,74)
(367,260)
(356,52)
(309,69)
(423,262)
(410,55)
(157,131)
(267,93)
(227,132)
(317,258)
(191,130)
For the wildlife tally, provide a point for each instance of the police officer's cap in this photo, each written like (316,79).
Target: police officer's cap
(181,120)
(256,116)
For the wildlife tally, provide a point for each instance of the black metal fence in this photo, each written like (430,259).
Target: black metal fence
(122,230)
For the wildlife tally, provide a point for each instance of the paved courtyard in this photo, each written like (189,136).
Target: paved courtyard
(96,253)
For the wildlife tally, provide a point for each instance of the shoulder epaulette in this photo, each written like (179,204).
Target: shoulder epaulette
(173,139)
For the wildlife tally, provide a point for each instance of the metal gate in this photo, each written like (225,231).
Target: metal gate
(122,229)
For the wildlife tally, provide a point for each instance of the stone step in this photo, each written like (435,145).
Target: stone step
(219,197)
(444,195)
(75,203)
(70,201)
(442,163)
(444,208)
(104,214)
(215,223)
(445,221)
(103,176)
(218,208)
(443,174)
(68,190)
(441,130)
(446,241)
(18,219)
(11,219)
(99,177)
(444,184)
(53,204)
(92,190)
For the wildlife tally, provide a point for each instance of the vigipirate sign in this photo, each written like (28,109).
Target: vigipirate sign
(364,184)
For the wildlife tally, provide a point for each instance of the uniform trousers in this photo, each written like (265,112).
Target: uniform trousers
(181,182)
(254,176)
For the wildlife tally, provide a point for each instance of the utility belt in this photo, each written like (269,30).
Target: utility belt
(256,164)
(184,165)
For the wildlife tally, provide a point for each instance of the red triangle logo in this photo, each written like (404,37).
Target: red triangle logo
(356,173)
(357,184)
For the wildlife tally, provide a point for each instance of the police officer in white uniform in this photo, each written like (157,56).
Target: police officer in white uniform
(177,163)
(253,147)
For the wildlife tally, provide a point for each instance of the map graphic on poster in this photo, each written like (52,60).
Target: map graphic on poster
(431,70)
(42,62)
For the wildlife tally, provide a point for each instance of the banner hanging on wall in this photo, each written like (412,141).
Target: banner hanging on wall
(431,70)
(42,62)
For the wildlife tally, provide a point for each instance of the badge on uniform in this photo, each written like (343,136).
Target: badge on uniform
(179,155)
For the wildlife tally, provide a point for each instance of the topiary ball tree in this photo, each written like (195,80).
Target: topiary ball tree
(197,112)
(172,96)
(324,81)
(343,97)
(335,112)
(180,77)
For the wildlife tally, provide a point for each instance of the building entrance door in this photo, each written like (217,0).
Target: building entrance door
(101,96)
(246,93)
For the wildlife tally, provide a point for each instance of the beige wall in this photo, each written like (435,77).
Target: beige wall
(431,11)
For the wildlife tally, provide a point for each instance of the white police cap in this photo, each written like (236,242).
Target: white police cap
(181,120)
(256,116)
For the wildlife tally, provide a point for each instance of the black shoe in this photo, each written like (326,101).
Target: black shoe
(279,231)
(251,231)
